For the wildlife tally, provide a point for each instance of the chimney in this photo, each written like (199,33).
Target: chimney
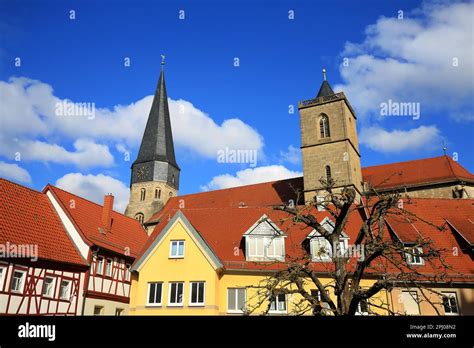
(106,218)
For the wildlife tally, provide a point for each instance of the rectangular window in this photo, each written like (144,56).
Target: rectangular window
(197,294)
(2,277)
(266,247)
(325,305)
(118,312)
(154,294)
(320,249)
(18,281)
(127,272)
(412,256)
(48,287)
(363,307)
(176,294)
(450,303)
(177,249)
(236,298)
(100,265)
(108,268)
(410,302)
(278,304)
(98,310)
(65,290)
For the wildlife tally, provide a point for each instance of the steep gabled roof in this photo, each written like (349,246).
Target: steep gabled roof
(28,217)
(157,141)
(126,234)
(416,173)
(325,90)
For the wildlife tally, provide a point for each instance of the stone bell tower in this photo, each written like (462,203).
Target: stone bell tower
(329,144)
(155,173)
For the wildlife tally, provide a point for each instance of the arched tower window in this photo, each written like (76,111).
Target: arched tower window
(139,217)
(157,193)
(324,127)
(142,194)
(171,194)
(328,173)
(172,179)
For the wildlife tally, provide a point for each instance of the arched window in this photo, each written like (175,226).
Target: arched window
(328,173)
(171,194)
(157,193)
(324,127)
(139,217)
(172,179)
(142,194)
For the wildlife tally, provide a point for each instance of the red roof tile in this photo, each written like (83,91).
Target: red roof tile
(417,172)
(222,226)
(125,235)
(28,217)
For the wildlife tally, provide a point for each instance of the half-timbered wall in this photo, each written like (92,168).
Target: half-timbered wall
(30,299)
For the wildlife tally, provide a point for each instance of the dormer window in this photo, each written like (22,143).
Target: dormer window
(264,241)
(412,256)
(321,249)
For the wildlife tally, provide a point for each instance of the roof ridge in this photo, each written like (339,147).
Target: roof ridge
(20,185)
(397,163)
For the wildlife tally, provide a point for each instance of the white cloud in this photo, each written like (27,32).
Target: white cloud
(86,154)
(195,130)
(412,60)
(396,141)
(250,176)
(28,115)
(292,155)
(94,187)
(14,172)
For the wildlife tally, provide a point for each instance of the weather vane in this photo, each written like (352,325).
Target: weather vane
(162,59)
(324,74)
(444,147)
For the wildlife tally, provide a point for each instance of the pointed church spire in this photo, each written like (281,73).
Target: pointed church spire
(157,141)
(325,89)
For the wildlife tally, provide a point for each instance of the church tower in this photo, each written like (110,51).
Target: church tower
(155,173)
(329,144)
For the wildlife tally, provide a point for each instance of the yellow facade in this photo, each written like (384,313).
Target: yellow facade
(198,265)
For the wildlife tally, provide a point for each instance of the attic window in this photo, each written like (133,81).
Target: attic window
(264,241)
(412,256)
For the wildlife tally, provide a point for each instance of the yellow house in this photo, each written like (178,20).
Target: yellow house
(182,272)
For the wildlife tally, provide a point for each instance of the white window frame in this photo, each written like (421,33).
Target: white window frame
(67,298)
(108,267)
(277,301)
(53,284)
(236,311)
(22,281)
(451,294)
(119,312)
(267,242)
(197,304)
(128,272)
(154,304)
(100,265)
(326,257)
(359,308)
(177,256)
(410,258)
(3,270)
(175,304)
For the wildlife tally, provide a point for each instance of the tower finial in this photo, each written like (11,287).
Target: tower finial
(444,148)
(162,61)
(324,74)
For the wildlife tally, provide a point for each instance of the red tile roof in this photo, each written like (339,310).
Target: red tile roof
(415,173)
(222,225)
(28,217)
(125,235)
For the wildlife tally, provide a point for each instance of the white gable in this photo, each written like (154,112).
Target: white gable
(264,227)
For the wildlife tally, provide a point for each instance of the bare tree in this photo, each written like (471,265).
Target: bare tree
(385,259)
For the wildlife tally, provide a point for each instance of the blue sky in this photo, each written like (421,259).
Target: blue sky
(407,56)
